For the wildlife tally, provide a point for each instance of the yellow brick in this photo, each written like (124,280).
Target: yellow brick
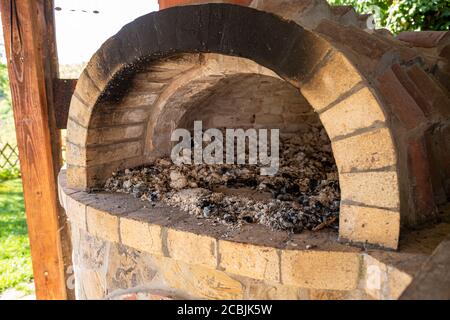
(114,134)
(328,295)
(359,111)
(367,151)
(76,212)
(79,111)
(141,236)
(116,152)
(323,270)
(249,260)
(76,177)
(191,248)
(76,155)
(200,282)
(372,225)
(76,133)
(379,189)
(103,225)
(335,78)
(86,89)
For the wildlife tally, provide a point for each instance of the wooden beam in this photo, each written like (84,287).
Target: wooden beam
(63,90)
(25,49)
(47,36)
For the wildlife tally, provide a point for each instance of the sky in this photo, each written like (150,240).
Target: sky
(79,34)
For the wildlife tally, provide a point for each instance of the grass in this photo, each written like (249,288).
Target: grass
(15,260)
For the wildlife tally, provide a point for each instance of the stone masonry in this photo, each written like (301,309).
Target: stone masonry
(123,250)
(383,101)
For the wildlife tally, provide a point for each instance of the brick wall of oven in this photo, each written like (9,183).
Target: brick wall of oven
(387,152)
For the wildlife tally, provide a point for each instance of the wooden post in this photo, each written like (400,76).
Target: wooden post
(26,52)
(51,71)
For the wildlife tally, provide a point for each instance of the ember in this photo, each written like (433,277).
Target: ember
(303,195)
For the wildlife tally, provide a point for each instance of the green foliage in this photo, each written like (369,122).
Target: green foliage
(404,15)
(419,15)
(5,91)
(9,174)
(7,131)
(379,8)
(15,259)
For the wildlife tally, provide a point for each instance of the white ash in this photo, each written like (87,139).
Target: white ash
(303,195)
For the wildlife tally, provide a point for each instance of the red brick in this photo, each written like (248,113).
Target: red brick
(420,179)
(403,105)
(356,39)
(427,87)
(422,100)
(424,39)
(445,52)
(438,144)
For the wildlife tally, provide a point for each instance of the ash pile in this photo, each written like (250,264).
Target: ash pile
(304,194)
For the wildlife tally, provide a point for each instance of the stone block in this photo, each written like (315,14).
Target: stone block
(76,133)
(141,236)
(76,213)
(259,290)
(200,282)
(102,224)
(323,270)
(372,150)
(369,225)
(373,189)
(76,155)
(114,134)
(327,84)
(118,117)
(192,248)
(119,151)
(358,112)
(87,90)
(249,260)
(382,281)
(76,177)
(79,111)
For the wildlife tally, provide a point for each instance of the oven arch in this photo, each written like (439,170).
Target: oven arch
(349,108)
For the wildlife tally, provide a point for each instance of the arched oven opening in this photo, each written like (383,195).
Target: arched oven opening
(245,109)
(172,167)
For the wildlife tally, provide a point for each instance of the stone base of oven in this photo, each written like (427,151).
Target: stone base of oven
(108,270)
(122,250)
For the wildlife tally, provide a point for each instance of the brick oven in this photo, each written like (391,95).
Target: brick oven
(380,106)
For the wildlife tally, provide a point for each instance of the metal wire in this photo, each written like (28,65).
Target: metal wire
(78,11)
